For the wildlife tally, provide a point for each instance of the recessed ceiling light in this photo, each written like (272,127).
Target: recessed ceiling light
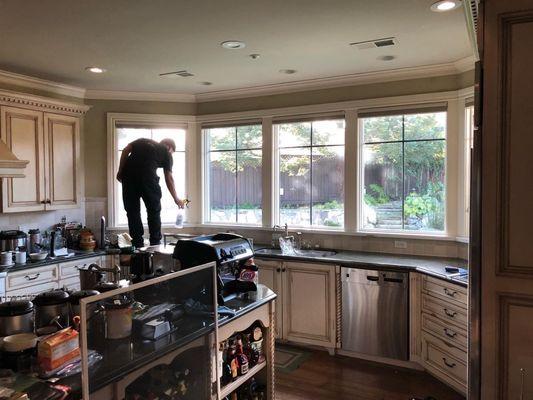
(95,70)
(206,83)
(254,56)
(233,44)
(386,58)
(445,5)
(287,71)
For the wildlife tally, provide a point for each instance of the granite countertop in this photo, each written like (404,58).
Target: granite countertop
(434,266)
(78,255)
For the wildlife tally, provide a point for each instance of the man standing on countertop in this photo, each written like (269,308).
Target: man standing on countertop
(137,172)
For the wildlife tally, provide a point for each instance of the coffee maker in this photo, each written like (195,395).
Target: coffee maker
(228,250)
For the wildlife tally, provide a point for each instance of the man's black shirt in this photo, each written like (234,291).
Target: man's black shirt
(145,158)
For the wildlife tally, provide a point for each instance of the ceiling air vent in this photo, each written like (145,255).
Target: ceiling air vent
(183,73)
(376,43)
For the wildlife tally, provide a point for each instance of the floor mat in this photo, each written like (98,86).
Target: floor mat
(288,358)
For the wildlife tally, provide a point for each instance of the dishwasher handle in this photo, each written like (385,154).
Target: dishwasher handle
(372,278)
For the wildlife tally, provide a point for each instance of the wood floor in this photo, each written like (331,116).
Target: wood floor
(323,377)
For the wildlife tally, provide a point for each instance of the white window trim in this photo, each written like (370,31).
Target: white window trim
(196,147)
(112,162)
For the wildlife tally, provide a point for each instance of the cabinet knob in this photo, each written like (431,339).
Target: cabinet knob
(449,292)
(278,269)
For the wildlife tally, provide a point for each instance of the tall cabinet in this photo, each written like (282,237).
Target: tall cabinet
(502,254)
(47,134)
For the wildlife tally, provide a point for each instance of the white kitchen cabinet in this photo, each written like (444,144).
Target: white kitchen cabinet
(309,303)
(62,143)
(22,131)
(306,310)
(51,144)
(270,276)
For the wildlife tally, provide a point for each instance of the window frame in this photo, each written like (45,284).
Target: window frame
(276,168)
(206,193)
(156,120)
(361,169)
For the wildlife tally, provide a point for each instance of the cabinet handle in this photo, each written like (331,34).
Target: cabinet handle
(278,269)
(522,374)
(43,201)
(449,313)
(450,333)
(283,270)
(448,364)
(48,201)
(29,278)
(449,292)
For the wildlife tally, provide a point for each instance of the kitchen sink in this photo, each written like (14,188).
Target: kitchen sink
(315,253)
(300,253)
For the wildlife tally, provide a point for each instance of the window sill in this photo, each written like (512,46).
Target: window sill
(406,235)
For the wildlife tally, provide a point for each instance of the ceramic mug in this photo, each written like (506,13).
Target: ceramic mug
(6,258)
(20,257)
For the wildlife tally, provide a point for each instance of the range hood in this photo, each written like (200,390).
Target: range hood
(10,165)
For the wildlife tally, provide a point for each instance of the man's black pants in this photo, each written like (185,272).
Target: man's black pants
(133,190)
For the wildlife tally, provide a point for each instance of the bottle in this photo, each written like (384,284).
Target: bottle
(232,361)
(241,358)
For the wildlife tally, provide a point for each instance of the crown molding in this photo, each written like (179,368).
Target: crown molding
(426,71)
(30,82)
(465,64)
(9,97)
(139,96)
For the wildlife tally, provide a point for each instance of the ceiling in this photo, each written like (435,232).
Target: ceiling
(137,40)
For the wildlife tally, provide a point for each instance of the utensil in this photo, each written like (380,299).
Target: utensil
(6,258)
(11,240)
(49,305)
(20,257)
(34,240)
(16,317)
(39,256)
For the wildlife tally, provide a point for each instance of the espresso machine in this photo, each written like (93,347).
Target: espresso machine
(228,250)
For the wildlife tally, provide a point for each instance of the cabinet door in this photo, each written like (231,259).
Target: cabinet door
(309,303)
(62,158)
(270,276)
(22,131)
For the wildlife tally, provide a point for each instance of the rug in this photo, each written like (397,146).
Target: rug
(289,358)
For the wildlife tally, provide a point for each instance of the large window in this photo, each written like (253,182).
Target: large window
(403,172)
(311,173)
(234,177)
(125,134)
(468,145)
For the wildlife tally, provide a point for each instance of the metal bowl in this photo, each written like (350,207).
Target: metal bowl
(39,256)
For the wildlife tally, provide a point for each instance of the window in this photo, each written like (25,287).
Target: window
(234,174)
(311,173)
(403,172)
(125,134)
(468,146)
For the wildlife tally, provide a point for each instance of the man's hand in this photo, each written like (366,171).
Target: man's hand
(180,203)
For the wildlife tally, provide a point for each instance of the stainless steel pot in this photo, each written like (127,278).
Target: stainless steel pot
(49,305)
(12,240)
(16,317)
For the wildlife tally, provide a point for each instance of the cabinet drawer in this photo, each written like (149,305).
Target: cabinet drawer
(33,290)
(31,277)
(445,310)
(454,293)
(445,331)
(449,363)
(70,268)
(72,283)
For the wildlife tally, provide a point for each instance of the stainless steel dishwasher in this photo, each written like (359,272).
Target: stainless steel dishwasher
(375,312)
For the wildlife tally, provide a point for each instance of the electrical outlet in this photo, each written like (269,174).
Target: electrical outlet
(400,244)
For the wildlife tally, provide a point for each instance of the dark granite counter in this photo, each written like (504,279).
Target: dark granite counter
(434,266)
(78,255)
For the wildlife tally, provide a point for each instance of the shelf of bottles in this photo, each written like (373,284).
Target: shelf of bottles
(185,378)
(241,359)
